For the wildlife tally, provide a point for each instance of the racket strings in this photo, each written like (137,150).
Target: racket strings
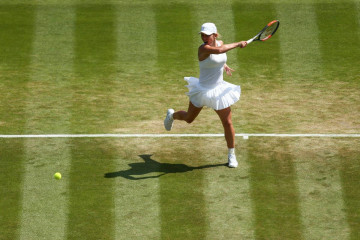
(269,31)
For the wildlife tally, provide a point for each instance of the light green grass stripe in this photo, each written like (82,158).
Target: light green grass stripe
(228,204)
(300,56)
(137,203)
(301,60)
(136,43)
(44,202)
(321,195)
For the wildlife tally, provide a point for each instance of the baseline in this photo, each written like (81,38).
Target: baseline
(244,135)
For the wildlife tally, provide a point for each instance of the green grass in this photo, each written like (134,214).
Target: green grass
(115,67)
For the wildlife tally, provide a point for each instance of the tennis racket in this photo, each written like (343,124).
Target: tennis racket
(266,32)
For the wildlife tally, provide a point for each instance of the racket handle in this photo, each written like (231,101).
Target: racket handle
(249,41)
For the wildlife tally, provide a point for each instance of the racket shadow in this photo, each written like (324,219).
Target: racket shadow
(151,166)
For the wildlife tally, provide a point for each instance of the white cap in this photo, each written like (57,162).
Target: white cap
(208,28)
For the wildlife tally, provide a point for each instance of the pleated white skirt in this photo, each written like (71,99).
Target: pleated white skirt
(217,97)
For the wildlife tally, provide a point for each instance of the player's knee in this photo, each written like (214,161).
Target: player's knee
(227,123)
(189,120)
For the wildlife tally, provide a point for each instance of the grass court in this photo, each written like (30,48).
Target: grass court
(95,67)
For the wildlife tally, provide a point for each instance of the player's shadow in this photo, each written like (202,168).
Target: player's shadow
(150,166)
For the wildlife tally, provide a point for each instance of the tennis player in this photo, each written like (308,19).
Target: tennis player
(210,89)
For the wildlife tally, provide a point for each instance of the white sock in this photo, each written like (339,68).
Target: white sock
(232,151)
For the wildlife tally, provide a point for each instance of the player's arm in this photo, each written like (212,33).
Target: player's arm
(207,49)
(228,70)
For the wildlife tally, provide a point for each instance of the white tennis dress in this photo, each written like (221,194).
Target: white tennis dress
(210,89)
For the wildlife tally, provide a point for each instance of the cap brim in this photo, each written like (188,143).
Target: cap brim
(206,32)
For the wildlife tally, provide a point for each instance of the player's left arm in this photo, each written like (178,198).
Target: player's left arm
(228,70)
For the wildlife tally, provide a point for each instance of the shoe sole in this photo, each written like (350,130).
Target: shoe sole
(167,114)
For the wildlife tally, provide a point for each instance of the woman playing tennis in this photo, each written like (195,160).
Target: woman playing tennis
(210,89)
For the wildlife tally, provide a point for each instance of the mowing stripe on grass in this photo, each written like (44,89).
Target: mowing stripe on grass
(11,173)
(259,69)
(228,216)
(358,11)
(299,62)
(229,204)
(176,49)
(137,208)
(302,18)
(17,27)
(274,190)
(136,46)
(321,196)
(182,204)
(339,59)
(44,209)
(91,197)
(350,178)
(259,60)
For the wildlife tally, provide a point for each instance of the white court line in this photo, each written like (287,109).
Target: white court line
(109,135)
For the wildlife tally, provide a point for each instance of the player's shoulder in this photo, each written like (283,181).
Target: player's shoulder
(203,46)
(220,42)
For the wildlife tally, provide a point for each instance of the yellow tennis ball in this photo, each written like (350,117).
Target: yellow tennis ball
(57,175)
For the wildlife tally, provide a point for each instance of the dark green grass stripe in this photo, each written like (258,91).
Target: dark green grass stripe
(91,214)
(95,41)
(181,195)
(339,40)
(17,27)
(350,179)
(176,31)
(16,38)
(274,191)
(94,89)
(259,59)
(11,172)
(183,214)
(91,203)
(258,65)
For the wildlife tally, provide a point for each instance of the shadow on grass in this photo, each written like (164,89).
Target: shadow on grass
(151,166)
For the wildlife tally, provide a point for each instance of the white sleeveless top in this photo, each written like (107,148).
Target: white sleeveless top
(210,89)
(211,69)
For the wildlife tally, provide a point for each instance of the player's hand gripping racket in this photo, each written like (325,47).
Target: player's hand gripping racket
(266,32)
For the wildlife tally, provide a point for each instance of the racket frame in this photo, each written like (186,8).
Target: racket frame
(257,36)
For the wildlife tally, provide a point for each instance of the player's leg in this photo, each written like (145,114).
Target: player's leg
(225,117)
(188,116)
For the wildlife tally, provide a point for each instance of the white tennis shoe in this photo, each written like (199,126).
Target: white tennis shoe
(169,120)
(232,163)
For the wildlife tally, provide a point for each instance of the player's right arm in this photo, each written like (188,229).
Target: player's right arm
(205,50)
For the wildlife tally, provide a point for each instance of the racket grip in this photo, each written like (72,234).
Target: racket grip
(249,41)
